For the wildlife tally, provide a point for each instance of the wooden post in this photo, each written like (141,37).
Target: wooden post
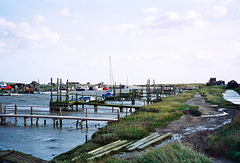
(86,138)
(1,107)
(77,123)
(31,114)
(53,122)
(5,112)
(76,101)
(51,90)
(37,121)
(57,88)
(67,92)
(60,114)
(133,101)
(95,108)
(121,109)
(45,122)
(118,115)
(126,111)
(25,121)
(15,113)
(81,124)
(86,116)
(60,89)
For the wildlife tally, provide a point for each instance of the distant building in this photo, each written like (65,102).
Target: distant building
(232,84)
(214,82)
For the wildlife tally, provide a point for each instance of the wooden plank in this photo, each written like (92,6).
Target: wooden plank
(142,141)
(155,140)
(110,147)
(98,149)
(114,149)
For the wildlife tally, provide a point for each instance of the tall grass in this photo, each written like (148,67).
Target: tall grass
(170,104)
(174,152)
(214,95)
(226,141)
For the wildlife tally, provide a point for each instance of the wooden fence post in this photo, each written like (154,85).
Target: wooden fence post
(60,114)
(31,114)
(5,112)
(118,115)
(15,113)
(1,107)
(86,117)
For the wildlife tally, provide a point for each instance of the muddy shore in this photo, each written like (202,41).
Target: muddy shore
(192,130)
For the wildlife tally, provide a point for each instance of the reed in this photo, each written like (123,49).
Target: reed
(174,152)
(226,141)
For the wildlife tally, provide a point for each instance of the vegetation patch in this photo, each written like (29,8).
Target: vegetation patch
(193,110)
(226,141)
(174,152)
(214,95)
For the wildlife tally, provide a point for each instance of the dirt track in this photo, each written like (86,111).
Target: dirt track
(192,130)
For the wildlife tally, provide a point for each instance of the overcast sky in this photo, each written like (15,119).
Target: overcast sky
(170,41)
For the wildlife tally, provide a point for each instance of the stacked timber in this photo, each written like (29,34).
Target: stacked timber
(151,139)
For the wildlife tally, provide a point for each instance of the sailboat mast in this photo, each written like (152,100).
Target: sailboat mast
(111,72)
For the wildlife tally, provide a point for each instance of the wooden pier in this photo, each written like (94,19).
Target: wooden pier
(10,111)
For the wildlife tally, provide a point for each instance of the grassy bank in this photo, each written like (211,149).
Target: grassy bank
(226,141)
(133,127)
(214,96)
(174,152)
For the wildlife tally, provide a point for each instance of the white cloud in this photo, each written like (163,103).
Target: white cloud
(150,10)
(33,35)
(219,11)
(172,20)
(123,28)
(64,11)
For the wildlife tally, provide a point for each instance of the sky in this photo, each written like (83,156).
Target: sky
(170,41)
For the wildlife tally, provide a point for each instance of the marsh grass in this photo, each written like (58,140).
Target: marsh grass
(226,141)
(194,111)
(174,152)
(214,95)
(170,104)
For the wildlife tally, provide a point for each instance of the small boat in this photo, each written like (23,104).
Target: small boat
(84,88)
(15,94)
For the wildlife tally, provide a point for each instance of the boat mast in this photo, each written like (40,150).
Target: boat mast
(111,72)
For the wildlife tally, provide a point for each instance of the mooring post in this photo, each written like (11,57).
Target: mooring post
(53,122)
(5,112)
(118,115)
(81,124)
(60,114)
(31,114)
(77,123)
(121,109)
(86,138)
(15,113)
(76,101)
(126,111)
(37,121)
(45,122)
(60,89)
(25,121)
(86,117)
(1,107)
(67,92)
(51,90)
(95,108)
(57,88)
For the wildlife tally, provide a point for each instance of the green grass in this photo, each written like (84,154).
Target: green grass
(174,152)
(214,96)
(226,141)
(194,111)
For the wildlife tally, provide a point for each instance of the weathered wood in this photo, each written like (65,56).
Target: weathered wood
(107,152)
(100,148)
(5,112)
(86,117)
(31,114)
(15,112)
(155,140)
(1,107)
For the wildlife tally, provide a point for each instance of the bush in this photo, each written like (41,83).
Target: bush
(194,111)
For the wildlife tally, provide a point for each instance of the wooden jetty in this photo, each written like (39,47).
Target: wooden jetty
(10,111)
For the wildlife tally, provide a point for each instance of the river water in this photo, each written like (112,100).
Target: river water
(46,142)
(232,96)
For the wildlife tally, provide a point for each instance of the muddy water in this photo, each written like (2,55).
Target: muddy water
(232,96)
(43,141)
